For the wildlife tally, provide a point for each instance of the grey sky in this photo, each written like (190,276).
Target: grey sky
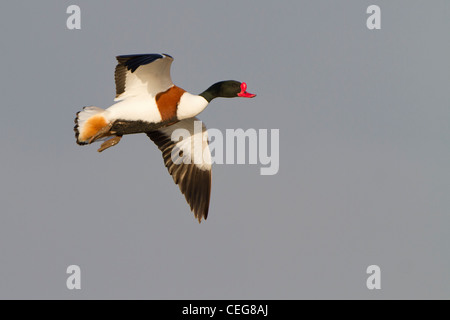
(364,152)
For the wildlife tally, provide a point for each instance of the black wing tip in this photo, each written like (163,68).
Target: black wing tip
(133,61)
(202,199)
(199,197)
(201,216)
(196,187)
(137,55)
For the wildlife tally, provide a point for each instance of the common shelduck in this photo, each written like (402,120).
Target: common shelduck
(148,102)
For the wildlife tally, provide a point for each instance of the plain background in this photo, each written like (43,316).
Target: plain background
(364,152)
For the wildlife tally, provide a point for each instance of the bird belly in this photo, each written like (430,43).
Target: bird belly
(144,110)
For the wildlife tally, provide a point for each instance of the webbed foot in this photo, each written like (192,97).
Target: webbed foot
(109,143)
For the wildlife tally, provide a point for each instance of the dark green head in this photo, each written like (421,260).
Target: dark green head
(227,89)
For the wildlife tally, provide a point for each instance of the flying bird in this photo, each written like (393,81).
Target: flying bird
(148,102)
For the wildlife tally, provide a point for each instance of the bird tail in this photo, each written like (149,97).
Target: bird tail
(88,124)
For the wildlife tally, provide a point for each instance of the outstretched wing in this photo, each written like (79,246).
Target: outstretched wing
(142,75)
(186,154)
